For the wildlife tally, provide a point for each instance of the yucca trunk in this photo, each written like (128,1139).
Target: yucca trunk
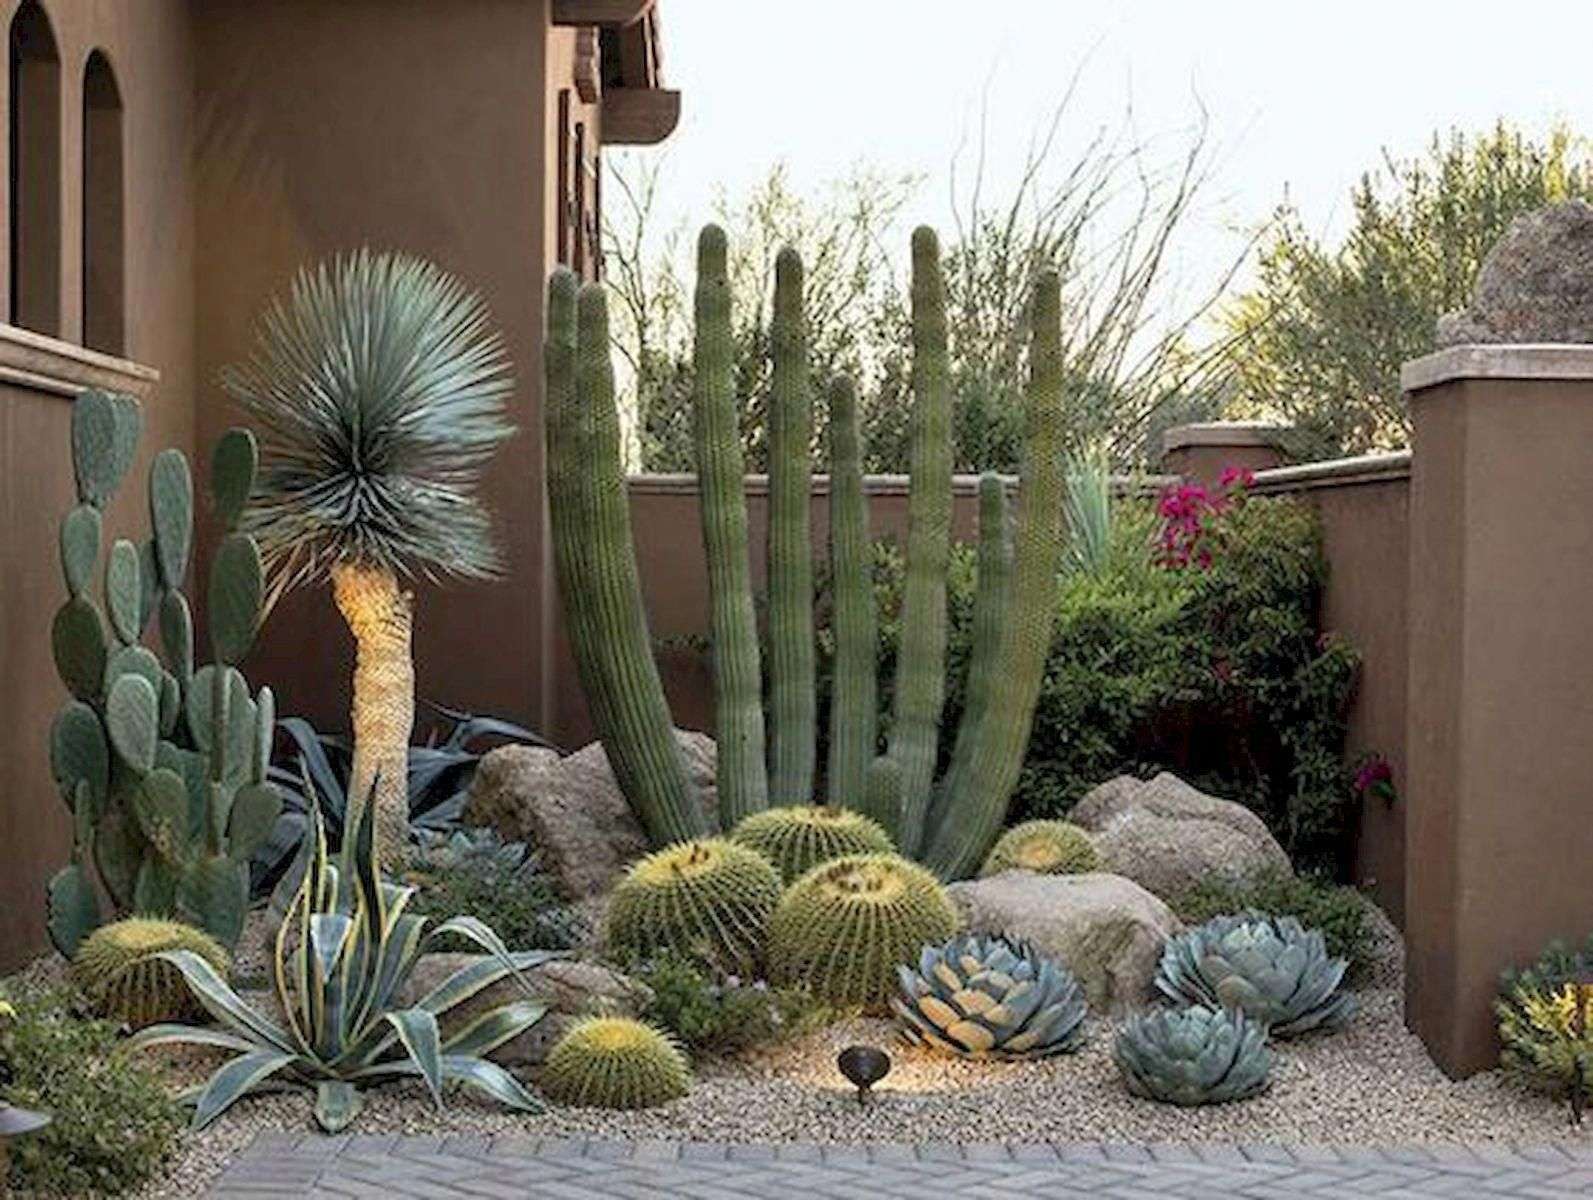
(379,614)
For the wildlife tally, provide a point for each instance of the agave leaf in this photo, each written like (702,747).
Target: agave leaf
(337,1103)
(235,1080)
(328,932)
(168,1034)
(417,1030)
(221,1002)
(482,1076)
(495,1027)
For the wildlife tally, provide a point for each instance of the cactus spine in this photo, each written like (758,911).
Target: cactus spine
(792,703)
(920,671)
(853,706)
(596,567)
(163,766)
(738,712)
(980,785)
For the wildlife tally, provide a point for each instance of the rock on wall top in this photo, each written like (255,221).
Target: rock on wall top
(1536,285)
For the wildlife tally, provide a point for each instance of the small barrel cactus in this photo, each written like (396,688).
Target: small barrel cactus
(798,839)
(707,900)
(116,969)
(843,928)
(985,997)
(1269,967)
(615,1062)
(1193,1056)
(1046,847)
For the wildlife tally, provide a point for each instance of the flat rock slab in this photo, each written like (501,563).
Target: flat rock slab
(279,1166)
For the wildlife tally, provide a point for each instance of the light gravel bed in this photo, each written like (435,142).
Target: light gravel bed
(1371,1084)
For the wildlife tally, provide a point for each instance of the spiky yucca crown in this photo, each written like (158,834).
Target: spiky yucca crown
(615,1062)
(843,928)
(799,838)
(379,391)
(1045,847)
(115,969)
(709,900)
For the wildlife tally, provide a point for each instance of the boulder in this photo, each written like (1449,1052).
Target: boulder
(1167,836)
(1535,285)
(1108,930)
(570,988)
(571,811)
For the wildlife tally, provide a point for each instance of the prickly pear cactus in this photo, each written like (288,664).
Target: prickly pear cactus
(161,764)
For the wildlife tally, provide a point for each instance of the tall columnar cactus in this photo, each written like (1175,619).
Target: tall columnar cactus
(853,704)
(921,667)
(979,784)
(738,714)
(596,567)
(792,704)
(950,825)
(162,765)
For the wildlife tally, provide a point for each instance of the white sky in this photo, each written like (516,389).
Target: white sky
(1302,97)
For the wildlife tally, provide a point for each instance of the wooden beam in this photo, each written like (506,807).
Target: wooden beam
(639,116)
(600,12)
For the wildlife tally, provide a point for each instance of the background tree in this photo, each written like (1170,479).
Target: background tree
(379,389)
(1325,329)
(1109,220)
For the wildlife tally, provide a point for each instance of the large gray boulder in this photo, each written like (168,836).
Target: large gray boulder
(571,988)
(1167,836)
(1108,930)
(571,811)
(1535,285)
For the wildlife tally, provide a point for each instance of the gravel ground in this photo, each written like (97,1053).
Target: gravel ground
(1371,1084)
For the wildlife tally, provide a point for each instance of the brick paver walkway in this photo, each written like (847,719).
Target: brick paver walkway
(279,1166)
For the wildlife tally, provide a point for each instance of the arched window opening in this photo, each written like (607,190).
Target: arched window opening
(35,172)
(103,272)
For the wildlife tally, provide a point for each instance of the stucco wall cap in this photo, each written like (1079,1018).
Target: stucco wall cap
(1222,433)
(1540,360)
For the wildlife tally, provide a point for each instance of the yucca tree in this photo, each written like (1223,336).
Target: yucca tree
(379,389)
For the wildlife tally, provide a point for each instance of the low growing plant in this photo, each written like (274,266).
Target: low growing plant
(113,1123)
(615,1062)
(723,1016)
(1545,1041)
(1337,911)
(475,873)
(345,950)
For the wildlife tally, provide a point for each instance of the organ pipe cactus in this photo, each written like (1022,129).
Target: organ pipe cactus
(163,765)
(986,997)
(792,704)
(854,709)
(1270,968)
(950,825)
(1193,1056)
(595,563)
(738,690)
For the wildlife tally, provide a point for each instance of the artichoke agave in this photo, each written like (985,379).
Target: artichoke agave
(1190,1056)
(345,951)
(1271,968)
(985,997)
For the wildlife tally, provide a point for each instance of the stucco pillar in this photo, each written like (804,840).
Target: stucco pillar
(1499,771)
(1200,452)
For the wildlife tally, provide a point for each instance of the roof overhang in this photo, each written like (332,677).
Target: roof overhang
(618,64)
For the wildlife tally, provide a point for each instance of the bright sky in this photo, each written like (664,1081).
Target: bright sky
(1302,97)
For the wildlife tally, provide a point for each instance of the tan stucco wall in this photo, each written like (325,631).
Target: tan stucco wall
(149,49)
(329,126)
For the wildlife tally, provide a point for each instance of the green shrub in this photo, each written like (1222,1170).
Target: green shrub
(1218,672)
(112,1121)
(724,1016)
(1339,912)
(1542,1035)
(474,873)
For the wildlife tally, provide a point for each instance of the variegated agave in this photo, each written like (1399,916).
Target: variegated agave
(344,952)
(984,997)
(1271,968)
